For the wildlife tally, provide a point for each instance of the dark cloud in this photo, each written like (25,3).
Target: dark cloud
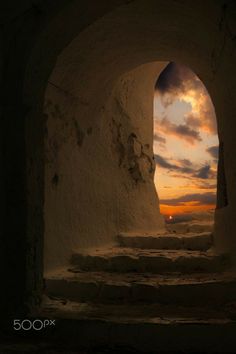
(181,131)
(159,138)
(186,162)
(198,198)
(192,120)
(184,130)
(213,151)
(205,119)
(169,79)
(162,162)
(204,172)
(185,166)
(176,77)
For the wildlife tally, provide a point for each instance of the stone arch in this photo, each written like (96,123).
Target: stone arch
(129,35)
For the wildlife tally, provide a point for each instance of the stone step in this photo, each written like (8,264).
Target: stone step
(140,328)
(117,259)
(208,290)
(191,241)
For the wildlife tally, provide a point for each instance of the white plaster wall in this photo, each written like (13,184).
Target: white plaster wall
(100,165)
(130,114)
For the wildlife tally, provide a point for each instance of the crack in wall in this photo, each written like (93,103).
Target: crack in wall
(69,94)
(80,135)
(132,154)
(121,110)
(117,140)
(139,161)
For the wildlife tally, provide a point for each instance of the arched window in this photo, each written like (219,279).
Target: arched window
(185,149)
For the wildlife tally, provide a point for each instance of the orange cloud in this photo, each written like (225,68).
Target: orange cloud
(184,209)
(180,131)
(207,198)
(178,82)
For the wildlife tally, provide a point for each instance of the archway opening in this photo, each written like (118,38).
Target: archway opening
(117,38)
(186,150)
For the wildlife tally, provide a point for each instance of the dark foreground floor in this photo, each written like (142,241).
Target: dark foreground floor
(30,347)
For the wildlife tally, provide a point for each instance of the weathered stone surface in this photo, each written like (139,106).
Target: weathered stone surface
(208,289)
(149,260)
(115,163)
(148,328)
(72,289)
(191,241)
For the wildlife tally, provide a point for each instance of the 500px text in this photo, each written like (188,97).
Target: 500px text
(36,325)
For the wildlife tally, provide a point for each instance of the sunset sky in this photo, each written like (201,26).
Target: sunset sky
(185,143)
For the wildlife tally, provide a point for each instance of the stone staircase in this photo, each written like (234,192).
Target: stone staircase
(149,293)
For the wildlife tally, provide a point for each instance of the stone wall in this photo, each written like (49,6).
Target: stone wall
(99,161)
(118,36)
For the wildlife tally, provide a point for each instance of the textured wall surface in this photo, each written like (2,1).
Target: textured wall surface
(99,159)
(117,36)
